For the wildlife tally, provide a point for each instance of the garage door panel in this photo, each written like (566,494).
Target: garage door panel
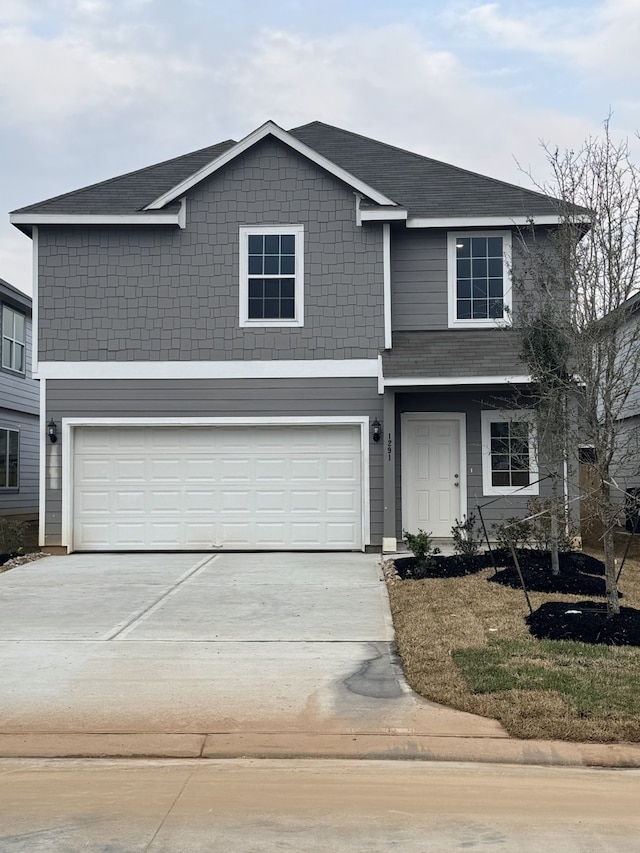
(217,487)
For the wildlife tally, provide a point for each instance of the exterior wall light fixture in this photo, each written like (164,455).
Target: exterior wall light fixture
(52,431)
(376,430)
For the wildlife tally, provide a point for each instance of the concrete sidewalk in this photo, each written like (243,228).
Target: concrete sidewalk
(228,655)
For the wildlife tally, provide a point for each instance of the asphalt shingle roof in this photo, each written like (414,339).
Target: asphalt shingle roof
(438,354)
(426,187)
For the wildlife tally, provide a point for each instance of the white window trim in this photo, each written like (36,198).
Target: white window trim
(489,416)
(298,232)
(454,323)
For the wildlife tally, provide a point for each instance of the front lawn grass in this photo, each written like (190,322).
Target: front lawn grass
(464,642)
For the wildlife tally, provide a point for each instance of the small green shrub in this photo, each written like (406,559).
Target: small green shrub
(421,546)
(513,532)
(467,537)
(12,536)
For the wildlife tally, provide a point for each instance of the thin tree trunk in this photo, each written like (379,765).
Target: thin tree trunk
(610,581)
(555,557)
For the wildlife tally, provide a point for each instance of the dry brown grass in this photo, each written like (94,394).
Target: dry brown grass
(433,617)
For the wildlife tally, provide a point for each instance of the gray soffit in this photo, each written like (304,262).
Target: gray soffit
(427,188)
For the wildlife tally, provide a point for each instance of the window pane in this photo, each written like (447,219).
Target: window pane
(256,288)
(19,357)
(495,287)
(464,309)
(463,247)
(495,267)
(256,243)
(496,309)
(464,268)
(499,428)
(271,309)
(255,265)
(18,327)
(271,265)
(6,353)
(479,268)
(479,247)
(287,310)
(480,310)
(13,459)
(499,478)
(288,244)
(464,289)
(287,265)
(520,478)
(272,288)
(272,244)
(255,309)
(4,458)
(494,247)
(287,288)
(480,289)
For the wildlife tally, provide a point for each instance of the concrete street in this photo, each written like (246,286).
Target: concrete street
(298,806)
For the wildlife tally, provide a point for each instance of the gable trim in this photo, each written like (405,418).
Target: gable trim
(99,218)
(269,128)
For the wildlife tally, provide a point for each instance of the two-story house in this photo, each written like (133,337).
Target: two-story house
(19,408)
(295,341)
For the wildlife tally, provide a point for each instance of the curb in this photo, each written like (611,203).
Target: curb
(310,745)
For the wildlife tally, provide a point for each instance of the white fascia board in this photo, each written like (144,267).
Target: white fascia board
(488,221)
(455,380)
(176,219)
(269,128)
(371,215)
(360,368)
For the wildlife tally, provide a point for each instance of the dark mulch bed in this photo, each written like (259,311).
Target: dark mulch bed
(558,620)
(579,573)
(441,567)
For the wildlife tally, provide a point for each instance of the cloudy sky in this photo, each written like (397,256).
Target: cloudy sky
(94,88)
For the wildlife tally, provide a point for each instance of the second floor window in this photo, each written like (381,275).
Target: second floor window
(271,275)
(9,439)
(479,278)
(13,340)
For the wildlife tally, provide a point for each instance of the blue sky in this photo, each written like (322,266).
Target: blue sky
(94,88)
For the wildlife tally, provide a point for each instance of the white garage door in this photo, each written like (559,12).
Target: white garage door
(248,487)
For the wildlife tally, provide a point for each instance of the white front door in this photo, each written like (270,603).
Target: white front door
(431,475)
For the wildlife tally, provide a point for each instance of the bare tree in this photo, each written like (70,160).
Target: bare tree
(579,335)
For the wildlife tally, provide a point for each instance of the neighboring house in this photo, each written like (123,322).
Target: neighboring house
(19,408)
(290,342)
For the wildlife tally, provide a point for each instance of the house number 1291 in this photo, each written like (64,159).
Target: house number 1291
(389,447)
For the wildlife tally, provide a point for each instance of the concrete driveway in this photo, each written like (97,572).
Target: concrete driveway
(214,655)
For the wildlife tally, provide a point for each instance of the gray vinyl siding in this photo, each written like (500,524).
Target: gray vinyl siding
(419,280)
(162,294)
(24,499)
(420,286)
(470,403)
(210,398)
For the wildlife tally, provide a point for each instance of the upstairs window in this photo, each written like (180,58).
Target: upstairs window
(13,340)
(508,453)
(479,279)
(271,275)
(9,443)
